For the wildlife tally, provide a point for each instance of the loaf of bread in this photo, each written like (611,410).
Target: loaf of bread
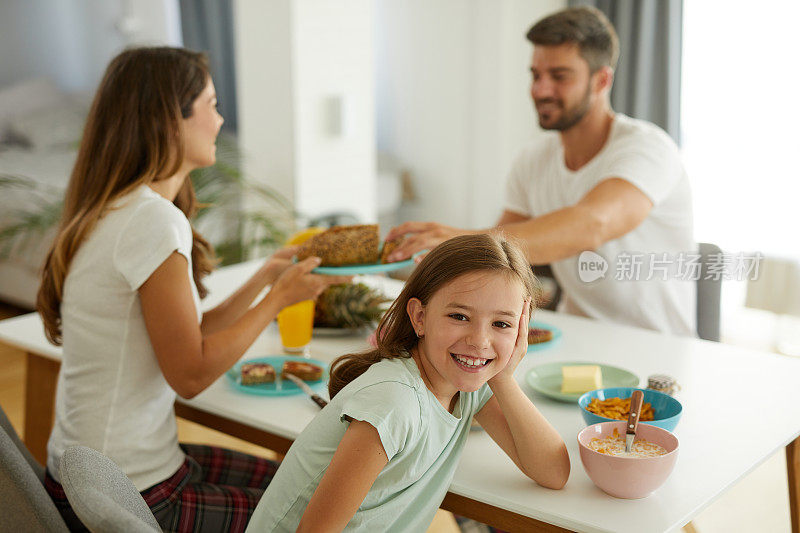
(343,245)
(388,247)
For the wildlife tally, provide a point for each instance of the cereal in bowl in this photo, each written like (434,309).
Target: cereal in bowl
(614,444)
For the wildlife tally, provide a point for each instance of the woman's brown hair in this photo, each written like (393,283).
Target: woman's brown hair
(453,258)
(132,137)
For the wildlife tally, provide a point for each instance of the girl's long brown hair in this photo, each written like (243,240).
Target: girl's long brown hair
(132,137)
(453,258)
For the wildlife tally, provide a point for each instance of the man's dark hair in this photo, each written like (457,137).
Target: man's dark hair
(585,26)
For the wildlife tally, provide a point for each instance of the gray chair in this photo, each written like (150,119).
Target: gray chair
(26,506)
(102,496)
(5,423)
(708,295)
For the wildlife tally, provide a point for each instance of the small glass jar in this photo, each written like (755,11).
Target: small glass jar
(663,383)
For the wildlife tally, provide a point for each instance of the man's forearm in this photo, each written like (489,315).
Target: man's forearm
(557,235)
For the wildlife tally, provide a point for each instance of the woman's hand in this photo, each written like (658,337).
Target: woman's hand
(277,263)
(520,347)
(296,283)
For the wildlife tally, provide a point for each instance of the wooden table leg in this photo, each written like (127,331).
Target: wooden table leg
(279,445)
(793,470)
(40,395)
(501,519)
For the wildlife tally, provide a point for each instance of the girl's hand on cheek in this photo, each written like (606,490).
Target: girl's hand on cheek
(519,350)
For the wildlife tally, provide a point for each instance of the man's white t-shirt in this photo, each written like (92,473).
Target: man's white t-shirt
(642,154)
(111,395)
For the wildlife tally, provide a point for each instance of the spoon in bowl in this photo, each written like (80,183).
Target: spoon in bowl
(633,419)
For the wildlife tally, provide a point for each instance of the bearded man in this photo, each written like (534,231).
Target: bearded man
(604,199)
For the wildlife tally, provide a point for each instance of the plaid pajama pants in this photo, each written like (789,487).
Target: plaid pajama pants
(214,490)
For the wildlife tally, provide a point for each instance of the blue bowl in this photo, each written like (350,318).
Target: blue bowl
(666,409)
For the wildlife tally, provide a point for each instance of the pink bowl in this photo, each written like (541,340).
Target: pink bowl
(628,477)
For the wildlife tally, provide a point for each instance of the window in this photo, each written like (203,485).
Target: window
(741,143)
(741,123)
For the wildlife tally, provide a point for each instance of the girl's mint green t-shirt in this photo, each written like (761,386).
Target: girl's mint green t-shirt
(422,441)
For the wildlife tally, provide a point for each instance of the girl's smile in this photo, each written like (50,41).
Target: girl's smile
(467,332)
(470,363)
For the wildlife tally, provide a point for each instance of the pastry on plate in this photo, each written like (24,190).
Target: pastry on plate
(257,373)
(537,335)
(303,370)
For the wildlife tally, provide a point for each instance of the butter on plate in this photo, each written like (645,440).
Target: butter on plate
(580,378)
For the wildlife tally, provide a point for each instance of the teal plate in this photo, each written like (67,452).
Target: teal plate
(544,345)
(357,270)
(546,379)
(279,387)
(372,268)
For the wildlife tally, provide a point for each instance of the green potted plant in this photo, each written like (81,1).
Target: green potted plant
(240,217)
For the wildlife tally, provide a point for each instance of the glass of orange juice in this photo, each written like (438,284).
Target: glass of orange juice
(295,323)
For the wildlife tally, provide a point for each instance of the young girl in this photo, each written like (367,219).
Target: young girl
(382,454)
(121,289)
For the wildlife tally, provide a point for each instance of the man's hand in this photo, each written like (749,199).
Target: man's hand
(419,236)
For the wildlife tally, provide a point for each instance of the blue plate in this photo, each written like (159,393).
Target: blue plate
(544,345)
(279,387)
(356,270)
(666,409)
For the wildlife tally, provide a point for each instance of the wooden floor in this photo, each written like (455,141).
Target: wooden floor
(12,400)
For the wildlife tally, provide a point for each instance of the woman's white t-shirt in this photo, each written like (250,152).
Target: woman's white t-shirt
(111,395)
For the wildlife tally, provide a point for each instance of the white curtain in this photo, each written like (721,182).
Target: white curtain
(647,81)
(777,287)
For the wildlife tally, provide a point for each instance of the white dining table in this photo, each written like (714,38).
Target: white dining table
(738,409)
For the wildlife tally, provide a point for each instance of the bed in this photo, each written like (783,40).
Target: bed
(40,127)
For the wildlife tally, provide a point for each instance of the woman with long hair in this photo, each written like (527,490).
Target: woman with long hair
(121,289)
(382,454)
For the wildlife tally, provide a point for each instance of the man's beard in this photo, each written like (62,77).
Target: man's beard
(569,117)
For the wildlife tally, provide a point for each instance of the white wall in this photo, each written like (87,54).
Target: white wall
(334,60)
(292,57)
(72,41)
(452,99)
(264,91)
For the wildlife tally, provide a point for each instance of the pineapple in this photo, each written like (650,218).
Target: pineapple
(351,305)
